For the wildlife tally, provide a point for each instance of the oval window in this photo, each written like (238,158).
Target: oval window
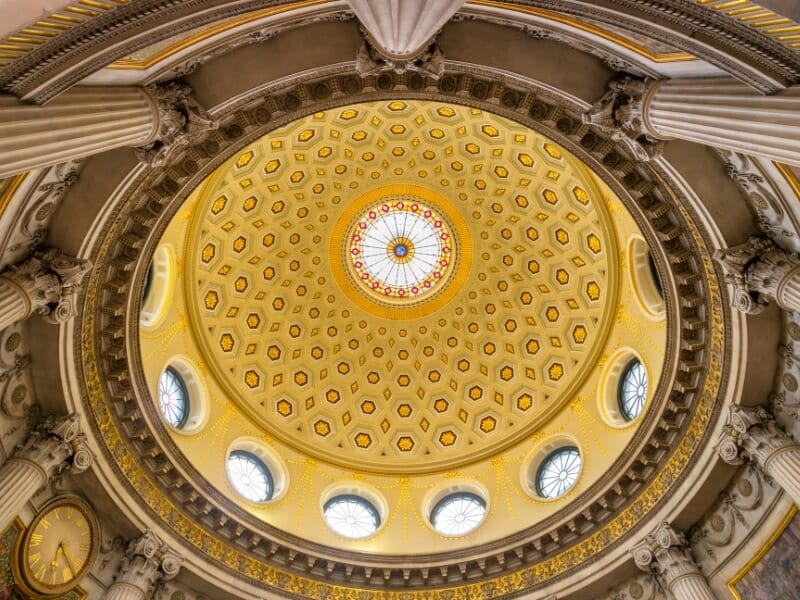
(558,472)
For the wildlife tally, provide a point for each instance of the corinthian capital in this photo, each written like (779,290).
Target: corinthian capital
(666,552)
(57,445)
(620,113)
(148,561)
(182,120)
(752,434)
(756,270)
(50,281)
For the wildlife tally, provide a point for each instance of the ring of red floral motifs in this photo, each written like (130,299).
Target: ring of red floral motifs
(401,250)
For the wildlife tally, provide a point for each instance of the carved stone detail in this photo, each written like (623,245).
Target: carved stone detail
(752,434)
(429,62)
(51,281)
(619,113)
(29,213)
(57,445)
(17,399)
(182,121)
(666,552)
(148,562)
(758,271)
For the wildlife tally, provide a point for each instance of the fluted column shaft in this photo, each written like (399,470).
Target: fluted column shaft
(692,587)
(121,590)
(19,481)
(787,293)
(54,446)
(725,113)
(80,122)
(784,467)
(14,303)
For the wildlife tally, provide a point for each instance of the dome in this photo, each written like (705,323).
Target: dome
(367,300)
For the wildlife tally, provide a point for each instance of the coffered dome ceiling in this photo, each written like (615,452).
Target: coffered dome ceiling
(403,294)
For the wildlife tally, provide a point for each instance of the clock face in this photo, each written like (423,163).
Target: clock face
(59,547)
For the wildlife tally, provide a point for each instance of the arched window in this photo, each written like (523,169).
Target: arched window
(173,398)
(632,391)
(458,514)
(558,472)
(249,476)
(352,516)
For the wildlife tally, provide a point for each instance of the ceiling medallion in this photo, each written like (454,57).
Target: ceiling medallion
(400,251)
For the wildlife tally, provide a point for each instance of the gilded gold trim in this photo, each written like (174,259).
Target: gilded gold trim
(761,553)
(11,189)
(790,177)
(668,57)
(142,64)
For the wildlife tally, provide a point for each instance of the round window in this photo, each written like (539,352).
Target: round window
(458,514)
(249,476)
(632,391)
(173,398)
(558,472)
(351,516)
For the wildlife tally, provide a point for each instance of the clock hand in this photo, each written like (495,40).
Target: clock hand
(69,561)
(54,562)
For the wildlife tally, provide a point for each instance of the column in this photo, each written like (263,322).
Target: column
(46,283)
(399,34)
(666,552)
(760,272)
(54,446)
(752,434)
(87,120)
(719,112)
(148,561)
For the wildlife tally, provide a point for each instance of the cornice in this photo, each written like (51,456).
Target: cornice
(79,49)
(653,468)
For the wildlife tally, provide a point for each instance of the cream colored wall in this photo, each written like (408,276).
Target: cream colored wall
(15,14)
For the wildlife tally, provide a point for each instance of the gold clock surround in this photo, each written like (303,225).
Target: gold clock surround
(61,543)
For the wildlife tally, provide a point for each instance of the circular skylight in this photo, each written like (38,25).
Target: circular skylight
(249,476)
(458,514)
(558,472)
(352,516)
(401,249)
(632,393)
(173,398)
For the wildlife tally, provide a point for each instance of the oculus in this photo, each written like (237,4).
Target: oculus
(458,514)
(632,392)
(351,516)
(249,476)
(401,250)
(558,472)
